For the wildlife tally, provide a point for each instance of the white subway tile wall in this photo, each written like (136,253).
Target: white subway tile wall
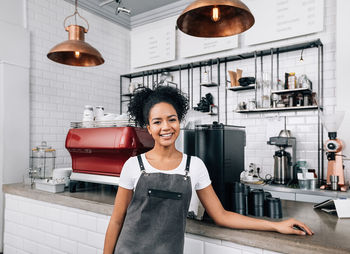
(59,92)
(259,127)
(56,235)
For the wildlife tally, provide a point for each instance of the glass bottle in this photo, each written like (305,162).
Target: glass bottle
(259,93)
(266,90)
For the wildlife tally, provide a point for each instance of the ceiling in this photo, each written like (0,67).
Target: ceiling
(136,6)
(108,11)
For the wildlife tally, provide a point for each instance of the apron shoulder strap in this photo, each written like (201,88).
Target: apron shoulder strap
(187,169)
(188,163)
(142,167)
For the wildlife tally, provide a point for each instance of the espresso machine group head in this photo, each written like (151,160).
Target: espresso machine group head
(333,147)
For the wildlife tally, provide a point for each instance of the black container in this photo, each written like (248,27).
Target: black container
(266,195)
(256,202)
(246,193)
(221,147)
(239,198)
(273,208)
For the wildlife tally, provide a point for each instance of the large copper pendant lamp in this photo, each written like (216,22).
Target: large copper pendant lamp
(215,18)
(75,51)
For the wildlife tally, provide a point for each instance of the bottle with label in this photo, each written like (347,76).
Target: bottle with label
(292,81)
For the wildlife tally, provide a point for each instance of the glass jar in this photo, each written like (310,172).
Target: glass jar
(42,161)
(251,104)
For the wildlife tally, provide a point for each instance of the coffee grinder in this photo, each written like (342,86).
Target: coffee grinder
(334,147)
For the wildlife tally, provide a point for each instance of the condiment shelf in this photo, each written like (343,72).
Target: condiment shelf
(260,110)
(241,88)
(301,90)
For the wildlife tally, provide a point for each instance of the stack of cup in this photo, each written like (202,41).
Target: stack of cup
(273,208)
(240,198)
(256,202)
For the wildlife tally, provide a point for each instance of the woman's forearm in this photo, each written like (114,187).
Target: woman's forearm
(235,220)
(111,237)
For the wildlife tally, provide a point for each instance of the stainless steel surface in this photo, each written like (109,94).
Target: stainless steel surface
(98,124)
(282,169)
(93,178)
(334,182)
(199,19)
(331,234)
(285,133)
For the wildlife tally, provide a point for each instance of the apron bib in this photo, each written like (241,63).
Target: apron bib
(156,217)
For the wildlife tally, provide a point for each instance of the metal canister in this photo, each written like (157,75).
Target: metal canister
(282,171)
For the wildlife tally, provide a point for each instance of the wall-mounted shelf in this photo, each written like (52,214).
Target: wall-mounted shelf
(262,110)
(128,94)
(212,84)
(241,88)
(285,91)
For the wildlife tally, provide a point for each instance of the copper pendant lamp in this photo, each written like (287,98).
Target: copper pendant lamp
(75,51)
(215,18)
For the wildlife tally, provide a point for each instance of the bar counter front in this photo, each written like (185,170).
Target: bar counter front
(331,234)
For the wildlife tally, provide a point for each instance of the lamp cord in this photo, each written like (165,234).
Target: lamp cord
(75,18)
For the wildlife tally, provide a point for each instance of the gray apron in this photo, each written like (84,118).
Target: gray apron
(156,217)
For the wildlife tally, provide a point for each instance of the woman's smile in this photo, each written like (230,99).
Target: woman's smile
(164,125)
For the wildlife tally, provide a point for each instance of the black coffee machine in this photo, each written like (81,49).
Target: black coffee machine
(221,147)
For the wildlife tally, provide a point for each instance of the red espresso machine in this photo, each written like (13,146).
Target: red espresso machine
(98,154)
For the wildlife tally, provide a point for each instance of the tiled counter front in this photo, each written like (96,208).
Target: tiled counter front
(195,244)
(37,227)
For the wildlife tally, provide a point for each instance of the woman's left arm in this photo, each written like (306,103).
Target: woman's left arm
(221,217)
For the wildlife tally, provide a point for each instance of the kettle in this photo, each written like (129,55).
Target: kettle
(282,167)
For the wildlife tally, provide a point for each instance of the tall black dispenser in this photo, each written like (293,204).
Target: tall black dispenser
(221,147)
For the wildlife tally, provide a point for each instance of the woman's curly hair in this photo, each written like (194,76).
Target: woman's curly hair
(145,98)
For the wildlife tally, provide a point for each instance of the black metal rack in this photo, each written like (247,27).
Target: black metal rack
(317,44)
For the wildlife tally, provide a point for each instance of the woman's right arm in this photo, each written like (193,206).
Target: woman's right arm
(115,225)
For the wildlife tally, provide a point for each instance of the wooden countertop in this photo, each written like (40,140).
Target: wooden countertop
(331,234)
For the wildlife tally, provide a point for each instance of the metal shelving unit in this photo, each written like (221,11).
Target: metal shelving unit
(152,76)
(241,88)
(262,110)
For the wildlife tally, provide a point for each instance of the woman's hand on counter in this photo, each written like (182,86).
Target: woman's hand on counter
(229,219)
(292,227)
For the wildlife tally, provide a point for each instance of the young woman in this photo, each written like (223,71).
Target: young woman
(155,188)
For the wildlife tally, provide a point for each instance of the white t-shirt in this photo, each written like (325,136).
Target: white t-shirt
(198,172)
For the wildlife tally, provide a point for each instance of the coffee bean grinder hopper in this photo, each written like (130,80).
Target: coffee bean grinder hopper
(334,147)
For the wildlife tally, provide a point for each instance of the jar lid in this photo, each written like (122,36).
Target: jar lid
(43,147)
